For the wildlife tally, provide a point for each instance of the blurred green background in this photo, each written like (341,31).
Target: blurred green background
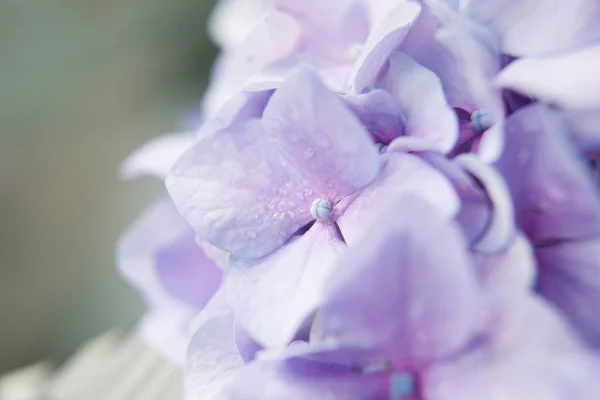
(82,84)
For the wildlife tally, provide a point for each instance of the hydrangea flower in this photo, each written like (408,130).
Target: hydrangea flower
(399,196)
(433,331)
(307,147)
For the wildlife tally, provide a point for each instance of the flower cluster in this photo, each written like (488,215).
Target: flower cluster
(385,199)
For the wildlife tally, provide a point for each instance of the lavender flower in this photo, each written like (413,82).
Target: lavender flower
(308,147)
(390,222)
(430,332)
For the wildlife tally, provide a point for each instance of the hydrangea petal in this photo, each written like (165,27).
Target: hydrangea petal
(236,110)
(159,255)
(421,97)
(333,74)
(231,21)
(474,213)
(273,297)
(585,127)
(167,331)
(157,157)
(275,36)
(301,379)
(553,195)
(464,56)
(515,268)
(329,28)
(212,359)
(400,174)
(501,226)
(382,41)
(571,280)
(245,344)
(425,303)
(238,193)
(380,113)
(532,27)
(569,80)
(531,355)
(314,130)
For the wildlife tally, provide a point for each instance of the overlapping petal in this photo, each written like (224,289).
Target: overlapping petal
(552,192)
(300,379)
(159,256)
(532,27)
(421,98)
(401,174)
(398,297)
(273,297)
(557,206)
(308,145)
(530,353)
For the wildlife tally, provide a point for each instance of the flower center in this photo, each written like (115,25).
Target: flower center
(480,121)
(401,384)
(320,209)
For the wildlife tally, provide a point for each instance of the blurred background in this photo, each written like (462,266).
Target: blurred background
(82,84)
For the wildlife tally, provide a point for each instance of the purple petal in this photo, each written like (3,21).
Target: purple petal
(421,98)
(231,21)
(571,279)
(553,195)
(475,212)
(212,359)
(462,55)
(238,193)
(166,330)
(398,296)
(330,28)
(382,41)
(530,354)
(512,269)
(333,74)
(273,297)
(380,113)
(236,110)
(245,344)
(275,36)
(585,127)
(400,174)
(532,27)
(558,207)
(301,379)
(157,157)
(501,226)
(569,80)
(380,10)
(159,255)
(316,133)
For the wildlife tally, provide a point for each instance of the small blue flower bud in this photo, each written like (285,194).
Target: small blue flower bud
(401,384)
(480,121)
(320,209)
